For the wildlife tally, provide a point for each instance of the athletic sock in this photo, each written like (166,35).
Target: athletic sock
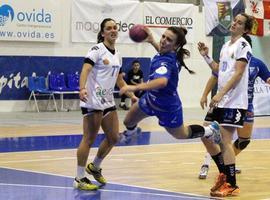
(97,162)
(230,173)
(80,172)
(207,159)
(218,159)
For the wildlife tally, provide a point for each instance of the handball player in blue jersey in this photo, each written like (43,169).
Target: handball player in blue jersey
(161,98)
(257,68)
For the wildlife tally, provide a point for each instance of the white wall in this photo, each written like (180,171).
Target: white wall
(190,86)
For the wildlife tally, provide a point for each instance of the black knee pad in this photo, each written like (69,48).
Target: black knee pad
(241,143)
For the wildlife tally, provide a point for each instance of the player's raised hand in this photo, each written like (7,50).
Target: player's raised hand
(203,49)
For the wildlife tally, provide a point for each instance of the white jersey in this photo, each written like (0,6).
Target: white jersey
(102,78)
(237,97)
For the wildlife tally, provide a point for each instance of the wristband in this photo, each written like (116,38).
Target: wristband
(215,74)
(208,59)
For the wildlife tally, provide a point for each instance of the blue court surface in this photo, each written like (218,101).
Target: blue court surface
(36,143)
(27,185)
(24,185)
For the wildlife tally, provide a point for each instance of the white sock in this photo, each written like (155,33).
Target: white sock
(207,159)
(131,132)
(80,172)
(97,162)
(122,103)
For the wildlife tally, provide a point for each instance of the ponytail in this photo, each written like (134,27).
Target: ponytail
(180,53)
(181,32)
(100,38)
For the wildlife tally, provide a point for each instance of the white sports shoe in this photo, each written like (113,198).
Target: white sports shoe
(203,172)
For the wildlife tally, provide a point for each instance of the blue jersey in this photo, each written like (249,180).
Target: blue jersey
(256,69)
(167,98)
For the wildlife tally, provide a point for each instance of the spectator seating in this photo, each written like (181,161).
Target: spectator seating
(73,81)
(57,83)
(37,87)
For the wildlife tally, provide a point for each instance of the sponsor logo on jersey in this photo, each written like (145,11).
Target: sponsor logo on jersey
(161,70)
(102,92)
(106,61)
(243,44)
(95,48)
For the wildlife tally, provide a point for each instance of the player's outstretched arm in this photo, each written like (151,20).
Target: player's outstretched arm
(204,50)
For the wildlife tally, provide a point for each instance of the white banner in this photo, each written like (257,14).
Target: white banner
(261,100)
(159,16)
(88,14)
(31,20)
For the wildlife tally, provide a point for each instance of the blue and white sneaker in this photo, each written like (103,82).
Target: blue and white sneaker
(128,135)
(216,137)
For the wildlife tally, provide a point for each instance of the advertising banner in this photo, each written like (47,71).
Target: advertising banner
(35,20)
(261,100)
(88,14)
(159,16)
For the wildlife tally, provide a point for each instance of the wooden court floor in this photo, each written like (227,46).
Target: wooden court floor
(172,167)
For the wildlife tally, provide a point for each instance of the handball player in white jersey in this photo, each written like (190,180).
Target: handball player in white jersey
(230,104)
(100,73)
(257,68)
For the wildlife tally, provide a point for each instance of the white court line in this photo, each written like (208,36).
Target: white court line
(105,190)
(37,186)
(121,155)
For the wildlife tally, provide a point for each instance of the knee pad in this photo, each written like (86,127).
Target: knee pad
(241,143)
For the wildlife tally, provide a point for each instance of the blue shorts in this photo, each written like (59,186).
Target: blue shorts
(166,119)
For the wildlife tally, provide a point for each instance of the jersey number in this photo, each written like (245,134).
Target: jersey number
(115,69)
(224,66)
